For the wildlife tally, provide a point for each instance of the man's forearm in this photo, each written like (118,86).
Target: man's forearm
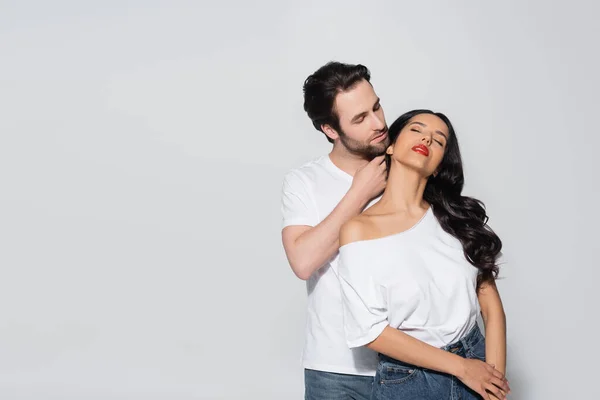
(315,247)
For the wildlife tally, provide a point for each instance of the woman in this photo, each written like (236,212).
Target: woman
(418,267)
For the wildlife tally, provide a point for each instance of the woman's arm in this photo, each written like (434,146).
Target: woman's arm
(477,375)
(494,320)
(365,321)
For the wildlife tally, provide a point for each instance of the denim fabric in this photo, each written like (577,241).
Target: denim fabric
(320,385)
(402,381)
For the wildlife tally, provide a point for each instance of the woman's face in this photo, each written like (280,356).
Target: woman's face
(421,144)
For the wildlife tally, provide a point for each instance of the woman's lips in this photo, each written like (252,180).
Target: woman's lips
(421,149)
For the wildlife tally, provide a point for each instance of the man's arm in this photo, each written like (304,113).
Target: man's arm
(308,248)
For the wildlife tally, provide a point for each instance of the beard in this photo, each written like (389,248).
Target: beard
(364,149)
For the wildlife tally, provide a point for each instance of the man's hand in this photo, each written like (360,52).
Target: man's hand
(369,181)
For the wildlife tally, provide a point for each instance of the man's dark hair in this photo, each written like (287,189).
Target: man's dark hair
(323,85)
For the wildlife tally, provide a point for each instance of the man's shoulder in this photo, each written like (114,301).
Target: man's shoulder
(306,171)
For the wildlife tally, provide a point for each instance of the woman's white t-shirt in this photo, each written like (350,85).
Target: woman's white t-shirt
(417,281)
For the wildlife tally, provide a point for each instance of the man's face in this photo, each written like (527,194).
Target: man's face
(363,130)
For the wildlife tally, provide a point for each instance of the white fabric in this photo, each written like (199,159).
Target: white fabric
(418,281)
(309,194)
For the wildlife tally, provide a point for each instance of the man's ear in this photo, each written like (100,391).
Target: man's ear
(330,132)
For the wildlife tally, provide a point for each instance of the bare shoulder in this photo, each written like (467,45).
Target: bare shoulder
(357,229)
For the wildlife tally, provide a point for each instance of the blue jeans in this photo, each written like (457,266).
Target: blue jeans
(398,380)
(320,385)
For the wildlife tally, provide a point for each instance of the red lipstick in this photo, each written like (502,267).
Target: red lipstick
(421,149)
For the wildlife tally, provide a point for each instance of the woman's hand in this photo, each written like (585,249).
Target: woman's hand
(483,378)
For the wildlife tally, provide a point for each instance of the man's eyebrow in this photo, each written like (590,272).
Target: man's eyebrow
(364,113)
(358,116)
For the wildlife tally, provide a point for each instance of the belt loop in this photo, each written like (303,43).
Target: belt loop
(467,339)
(463,342)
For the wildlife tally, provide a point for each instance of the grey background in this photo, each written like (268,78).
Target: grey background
(143,144)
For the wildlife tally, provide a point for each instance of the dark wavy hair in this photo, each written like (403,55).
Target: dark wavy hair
(323,85)
(463,217)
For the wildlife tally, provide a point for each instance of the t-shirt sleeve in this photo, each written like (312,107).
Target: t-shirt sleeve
(297,205)
(363,299)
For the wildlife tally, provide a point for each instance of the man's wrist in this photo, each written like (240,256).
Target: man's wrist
(356,198)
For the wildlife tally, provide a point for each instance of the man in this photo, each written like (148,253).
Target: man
(317,199)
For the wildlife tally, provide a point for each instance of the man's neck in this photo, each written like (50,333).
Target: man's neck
(346,161)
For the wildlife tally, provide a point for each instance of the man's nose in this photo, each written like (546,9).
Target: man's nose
(378,123)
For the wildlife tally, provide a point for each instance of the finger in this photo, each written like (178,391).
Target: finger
(501,394)
(495,391)
(378,159)
(500,383)
(498,374)
(493,397)
(484,394)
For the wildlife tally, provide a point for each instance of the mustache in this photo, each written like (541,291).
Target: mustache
(381,132)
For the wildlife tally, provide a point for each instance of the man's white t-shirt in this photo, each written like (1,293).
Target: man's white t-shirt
(309,194)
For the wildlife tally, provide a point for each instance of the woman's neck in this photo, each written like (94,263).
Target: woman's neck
(404,190)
